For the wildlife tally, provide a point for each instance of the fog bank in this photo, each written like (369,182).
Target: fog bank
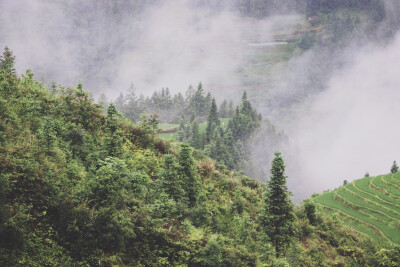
(350,128)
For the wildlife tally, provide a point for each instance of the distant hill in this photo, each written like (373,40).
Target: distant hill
(370,205)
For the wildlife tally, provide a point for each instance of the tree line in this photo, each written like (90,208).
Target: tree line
(170,108)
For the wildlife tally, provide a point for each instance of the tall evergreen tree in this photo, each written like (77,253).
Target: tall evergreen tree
(233,156)
(188,173)
(212,119)
(112,143)
(223,110)
(172,182)
(195,137)
(231,109)
(217,149)
(198,100)
(7,61)
(277,216)
(394,168)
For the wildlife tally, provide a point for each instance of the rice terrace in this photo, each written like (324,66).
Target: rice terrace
(370,205)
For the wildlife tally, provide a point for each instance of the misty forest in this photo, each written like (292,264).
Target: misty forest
(199,133)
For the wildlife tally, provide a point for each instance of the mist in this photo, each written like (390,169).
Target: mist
(352,127)
(152,44)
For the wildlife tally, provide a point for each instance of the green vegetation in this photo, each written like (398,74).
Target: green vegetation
(222,134)
(373,201)
(394,167)
(82,188)
(277,215)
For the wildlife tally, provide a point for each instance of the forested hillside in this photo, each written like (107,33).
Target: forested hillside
(80,187)
(222,133)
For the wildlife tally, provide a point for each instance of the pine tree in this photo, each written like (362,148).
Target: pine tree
(182,123)
(112,143)
(217,149)
(195,137)
(7,61)
(198,100)
(207,103)
(223,110)
(232,151)
(171,183)
(8,75)
(244,96)
(212,119)
(394,168)
(277,215)
(231,110)
(188,173)
(47,135)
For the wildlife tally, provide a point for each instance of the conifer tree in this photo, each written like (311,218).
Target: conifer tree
(217,150)
(172,184)
(181,132)
(7,61)
(182,123)
(195,137)
(112,144)
(188,173)
(187,131)
(207,103)
(277,215)
(47,134)
(212,119)
(244,96)
(232,151)
(394,168)
(231,110)
(198,100)
(223,110)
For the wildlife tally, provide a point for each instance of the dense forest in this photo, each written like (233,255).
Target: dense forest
(80,187)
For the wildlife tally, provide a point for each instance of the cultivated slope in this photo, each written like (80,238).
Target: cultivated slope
(370,205)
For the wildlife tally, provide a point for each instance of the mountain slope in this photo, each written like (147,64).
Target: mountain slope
(83,188)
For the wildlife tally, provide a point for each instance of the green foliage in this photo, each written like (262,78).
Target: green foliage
(172,183)
(188,174)
(82,188)
(7,62)
(277,215)
(388,257)
(212,120)
(394,167)
(310,211)
(212,254)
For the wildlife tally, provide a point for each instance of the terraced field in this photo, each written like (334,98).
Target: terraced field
(370,205)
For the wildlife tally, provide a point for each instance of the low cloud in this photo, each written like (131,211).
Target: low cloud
(350,128)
